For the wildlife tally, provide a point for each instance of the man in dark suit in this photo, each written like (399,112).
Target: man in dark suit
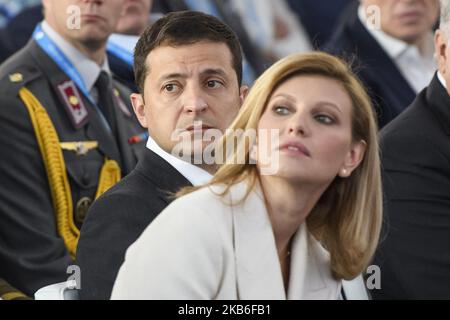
(190,82)
(392,42)
(414,253)
(65,136)
(318,17)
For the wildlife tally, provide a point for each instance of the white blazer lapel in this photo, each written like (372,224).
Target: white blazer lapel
(310,275)
(258,270)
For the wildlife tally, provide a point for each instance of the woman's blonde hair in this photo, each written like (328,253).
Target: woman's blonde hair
(347,218)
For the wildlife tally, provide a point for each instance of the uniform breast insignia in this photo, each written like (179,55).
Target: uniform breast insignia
(82,208)
(75,107)
(81,148)
(16,77)
(138,138)
(123,107)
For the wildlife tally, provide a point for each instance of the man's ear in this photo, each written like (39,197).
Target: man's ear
(440,49)
(137,100)
(243,92)
(353,158)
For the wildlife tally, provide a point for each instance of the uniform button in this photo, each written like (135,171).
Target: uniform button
(82,208)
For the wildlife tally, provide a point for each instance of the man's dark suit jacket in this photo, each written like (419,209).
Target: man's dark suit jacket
(318,17)
(414,256)
(118,218)
(388,88)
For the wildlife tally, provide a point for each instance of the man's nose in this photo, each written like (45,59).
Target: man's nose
(194,101)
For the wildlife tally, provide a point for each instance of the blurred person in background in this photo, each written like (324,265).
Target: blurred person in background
(392,43)
(273,27)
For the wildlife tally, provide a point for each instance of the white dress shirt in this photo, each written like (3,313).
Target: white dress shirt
(442,80)
(258,17)
(195,175)
(418,69)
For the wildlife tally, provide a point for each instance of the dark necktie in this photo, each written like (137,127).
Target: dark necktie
(105,99)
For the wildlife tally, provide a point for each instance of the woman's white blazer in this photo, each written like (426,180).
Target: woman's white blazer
(201,247)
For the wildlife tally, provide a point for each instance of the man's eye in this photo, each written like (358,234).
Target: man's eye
(171,87)
(281,110)
(213,84)
(322,118)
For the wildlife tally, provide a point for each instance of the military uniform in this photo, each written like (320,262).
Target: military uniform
(33,212)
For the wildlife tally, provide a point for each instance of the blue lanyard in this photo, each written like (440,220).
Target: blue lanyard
(120,52)
(63,62)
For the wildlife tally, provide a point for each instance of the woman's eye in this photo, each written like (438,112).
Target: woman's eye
(281,110)
(213,84)
(171,87)
(322,118)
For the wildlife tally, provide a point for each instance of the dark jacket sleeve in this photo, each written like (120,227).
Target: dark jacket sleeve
(32,255)
(113,223)
(415,247)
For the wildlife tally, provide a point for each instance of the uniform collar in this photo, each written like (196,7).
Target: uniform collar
(88,69)
(193,174)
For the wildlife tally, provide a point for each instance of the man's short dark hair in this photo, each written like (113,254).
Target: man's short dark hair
(184,28)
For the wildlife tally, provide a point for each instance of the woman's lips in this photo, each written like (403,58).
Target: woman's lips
(295,148)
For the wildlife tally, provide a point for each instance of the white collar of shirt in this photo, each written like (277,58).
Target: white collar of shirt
(194,174)
(416,67)
(442,80)
(88,69)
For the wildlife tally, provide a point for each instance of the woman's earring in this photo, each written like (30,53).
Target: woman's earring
(344,173)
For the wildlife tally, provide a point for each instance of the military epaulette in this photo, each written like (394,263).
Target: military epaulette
(20,77)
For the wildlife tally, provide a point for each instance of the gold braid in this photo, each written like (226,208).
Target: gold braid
(49,146)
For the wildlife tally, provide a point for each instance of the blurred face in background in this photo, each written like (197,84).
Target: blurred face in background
(135,17)
(407,20)
(97,20)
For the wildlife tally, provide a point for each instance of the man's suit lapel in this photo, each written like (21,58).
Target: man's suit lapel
(370,51)
(258,270)
(95,130)
(161,174)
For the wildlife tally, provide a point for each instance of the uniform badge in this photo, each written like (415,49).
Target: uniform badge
(82,208)
(74,105)
(123,107)
(16,77)
(81,148)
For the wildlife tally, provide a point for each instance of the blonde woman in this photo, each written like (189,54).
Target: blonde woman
(292,234)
